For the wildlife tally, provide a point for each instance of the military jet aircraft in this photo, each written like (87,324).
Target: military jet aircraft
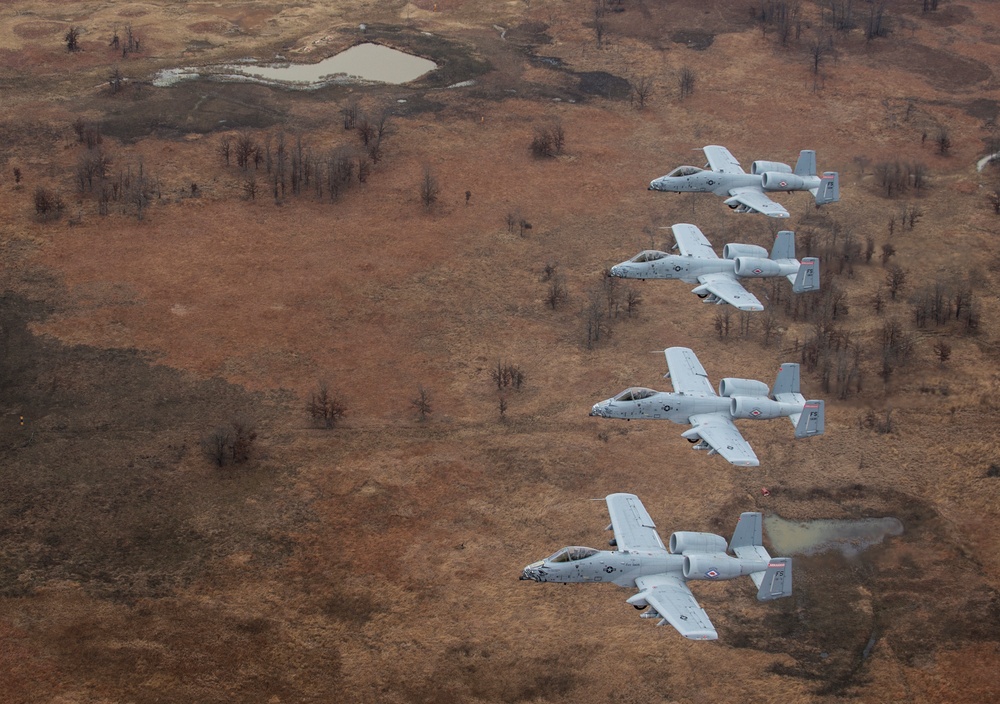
(641,561)
(724,176)
(711,416)
(719,278)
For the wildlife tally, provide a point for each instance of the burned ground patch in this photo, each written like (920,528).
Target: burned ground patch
(604,85)
(104,483)
(693,39)
(903,592)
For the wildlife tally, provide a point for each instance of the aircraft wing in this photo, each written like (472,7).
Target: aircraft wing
(726,287)
(634,529)
(721,434)
(686,372)
(755,199)
(721,160)
(692,243)
(672,599)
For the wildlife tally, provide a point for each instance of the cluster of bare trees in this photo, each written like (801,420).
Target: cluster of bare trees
(607,301)
(507,376)
(943,301)
(897,177)
(127,45)
(48,203)
(517,222)
(293,167)
(780,16)
(231,444)
(548,141)
(131,187)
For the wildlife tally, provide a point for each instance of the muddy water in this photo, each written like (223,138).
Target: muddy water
(363,62)
(811,537)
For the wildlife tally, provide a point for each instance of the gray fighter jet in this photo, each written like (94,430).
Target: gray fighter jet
(718,279)
(711,416)
(746,192)
(641,561)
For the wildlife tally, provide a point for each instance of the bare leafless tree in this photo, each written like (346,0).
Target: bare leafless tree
(641,90)
(686,82)
(429,188)
(72,39)
(895,279)
(422,403)
(325,407)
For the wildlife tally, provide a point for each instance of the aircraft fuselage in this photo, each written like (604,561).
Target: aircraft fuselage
(674,407)
(617,567)
(705,182)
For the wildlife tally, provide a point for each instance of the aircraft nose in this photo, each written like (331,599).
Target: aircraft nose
(616,270)
(597,410)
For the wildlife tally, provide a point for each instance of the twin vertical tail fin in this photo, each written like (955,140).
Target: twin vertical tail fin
(773,582)
(786,385)
(806,165)
(777,579)
(784,246)
(811,421)
(807,277)
(829,188)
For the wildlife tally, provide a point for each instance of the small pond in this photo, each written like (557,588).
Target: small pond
(811,537)
(360,63)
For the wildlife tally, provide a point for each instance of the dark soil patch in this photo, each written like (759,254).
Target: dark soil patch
(193,106)
(93,491)
(603,84)
(529,34)
(897,591)
(693,39)
(942,69)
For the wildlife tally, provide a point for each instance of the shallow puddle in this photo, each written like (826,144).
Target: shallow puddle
(362,62)
(811,537)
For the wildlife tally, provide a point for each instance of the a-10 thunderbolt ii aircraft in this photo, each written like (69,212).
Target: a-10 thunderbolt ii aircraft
(711,416)
(640,560)
(719,279)
(746,192)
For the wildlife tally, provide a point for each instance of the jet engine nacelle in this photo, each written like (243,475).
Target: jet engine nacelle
(760,408)
(760,167)
(772,181)
(687,541)
(731,251)
(749,267)
(742,387)
(718,565)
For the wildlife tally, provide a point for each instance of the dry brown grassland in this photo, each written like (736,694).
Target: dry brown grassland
(378,561)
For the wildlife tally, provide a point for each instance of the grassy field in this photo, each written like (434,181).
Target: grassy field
(378,561)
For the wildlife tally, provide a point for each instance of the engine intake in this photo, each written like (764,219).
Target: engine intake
(761,408)
(742,387)
(732,250)
(688,541)
(773,181)
(759,167)
(749,267)
(719,566)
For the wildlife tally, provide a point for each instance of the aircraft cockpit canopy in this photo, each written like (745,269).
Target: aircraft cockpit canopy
(649,255)
(572,554)
(684,171)
(634,394)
